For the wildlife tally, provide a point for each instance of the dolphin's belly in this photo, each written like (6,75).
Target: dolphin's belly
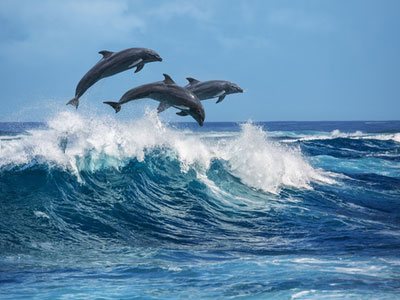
(182,107)
(171,100)
(119,65)
(158,97)
(101,70)
(206,93)
(117,68)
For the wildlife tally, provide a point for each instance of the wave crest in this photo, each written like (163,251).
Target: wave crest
(80,143)
(357,135)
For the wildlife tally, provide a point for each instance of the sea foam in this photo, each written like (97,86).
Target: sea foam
(357,135)
(76,142)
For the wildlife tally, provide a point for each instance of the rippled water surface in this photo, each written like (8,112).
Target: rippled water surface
(97,208)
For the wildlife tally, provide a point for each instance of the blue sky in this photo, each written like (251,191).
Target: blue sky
(297,60)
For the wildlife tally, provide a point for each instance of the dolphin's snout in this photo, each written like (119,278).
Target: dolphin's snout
(199,119)
(154,56)
(198,115)
(235,88)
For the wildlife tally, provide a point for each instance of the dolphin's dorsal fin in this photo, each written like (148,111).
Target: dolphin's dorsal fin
(106,53)
(192,80)
(168,79)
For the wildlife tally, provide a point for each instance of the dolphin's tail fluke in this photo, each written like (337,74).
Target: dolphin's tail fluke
(114,105)
(74,102)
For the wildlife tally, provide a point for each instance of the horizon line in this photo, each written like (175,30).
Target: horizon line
(248,121)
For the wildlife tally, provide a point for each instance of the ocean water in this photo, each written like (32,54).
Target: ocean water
(96,208)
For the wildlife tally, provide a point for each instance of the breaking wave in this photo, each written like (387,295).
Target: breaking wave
(156,209)
(77,143)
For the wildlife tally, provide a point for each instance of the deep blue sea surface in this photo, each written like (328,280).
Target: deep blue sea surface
(95,208)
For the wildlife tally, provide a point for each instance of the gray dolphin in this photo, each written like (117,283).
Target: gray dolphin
(212,88)
(169,94)
(111,64)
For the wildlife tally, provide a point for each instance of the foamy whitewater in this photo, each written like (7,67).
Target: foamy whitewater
(96,207)
(75,143)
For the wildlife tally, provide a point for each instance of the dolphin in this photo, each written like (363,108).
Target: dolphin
(169,94)
(212,88)
(112,63)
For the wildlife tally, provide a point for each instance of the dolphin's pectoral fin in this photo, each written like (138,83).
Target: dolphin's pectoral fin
(220,98)
(139,67)
(221,95)
(106,53)
(163,106)
(182,113)
(168,79)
